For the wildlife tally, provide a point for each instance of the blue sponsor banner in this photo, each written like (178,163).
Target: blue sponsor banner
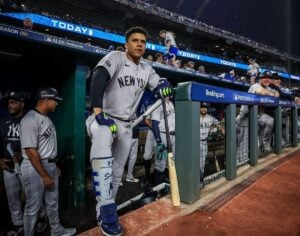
(34,36)
(214,94)
(96,33)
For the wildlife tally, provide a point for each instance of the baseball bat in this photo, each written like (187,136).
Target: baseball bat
(171,162)
(152,108)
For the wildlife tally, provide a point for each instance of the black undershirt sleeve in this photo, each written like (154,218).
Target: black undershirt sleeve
(99,78)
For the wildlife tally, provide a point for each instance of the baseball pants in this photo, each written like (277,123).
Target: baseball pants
(36,192)
(132,158)
(149,145)
(203,155)
(105,146)
(160,165)
(265,130)
(13,188)
(242,129)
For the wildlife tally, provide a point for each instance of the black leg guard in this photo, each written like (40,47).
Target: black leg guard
(158,177)
(147,165)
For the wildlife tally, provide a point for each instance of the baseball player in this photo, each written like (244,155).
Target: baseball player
(118,83)
(265,121)
(170,56)
(150,144)
(10,158)
(159,132)
(39,173)
(207,122)
(133,155)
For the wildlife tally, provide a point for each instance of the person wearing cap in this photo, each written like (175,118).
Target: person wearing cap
(230,76)
(38,170)
(207,123)
(190,66)
(10,158)
(265,121)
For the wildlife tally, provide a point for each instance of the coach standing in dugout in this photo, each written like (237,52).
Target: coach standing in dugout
(39,173)
(10,157)
(118,84)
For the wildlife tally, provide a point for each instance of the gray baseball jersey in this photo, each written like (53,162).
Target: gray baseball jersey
(126,87)
(38,131)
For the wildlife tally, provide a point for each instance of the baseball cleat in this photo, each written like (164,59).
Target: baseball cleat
(109,220)
(132,180)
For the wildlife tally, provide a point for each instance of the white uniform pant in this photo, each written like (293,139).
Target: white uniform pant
(132,157)
(104,146)
(265,129)
(203,155)
(242,128)
(13,189)
(36,192)
(149,145)
(160,165)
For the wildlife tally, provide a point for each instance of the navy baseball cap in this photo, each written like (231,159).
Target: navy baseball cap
(48,93)
(18,96)
(204,104)
(266,74)
(275,75)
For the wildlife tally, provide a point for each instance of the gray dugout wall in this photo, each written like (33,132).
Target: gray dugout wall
(187,98)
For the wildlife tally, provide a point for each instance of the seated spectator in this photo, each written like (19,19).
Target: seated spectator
(149,57)
(201,69)
(190,66)
(27,24)
(159,57)
(178,63)
(230,76)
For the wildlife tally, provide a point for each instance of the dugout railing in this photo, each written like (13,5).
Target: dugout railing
(187,102)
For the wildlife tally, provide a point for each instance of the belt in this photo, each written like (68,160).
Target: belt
(53,160)
(121,119)
(171,132)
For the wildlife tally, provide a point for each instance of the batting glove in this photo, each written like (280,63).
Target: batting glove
(103,119)
(164,88)
(161,151)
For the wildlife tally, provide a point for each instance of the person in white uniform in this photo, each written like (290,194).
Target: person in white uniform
(117,86)
(39,173)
